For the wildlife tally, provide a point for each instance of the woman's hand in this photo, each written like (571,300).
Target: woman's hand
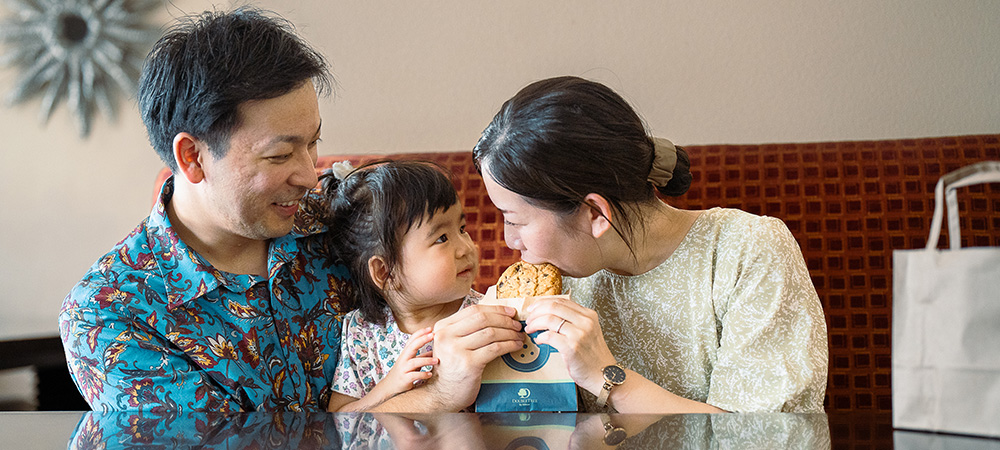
(464,343)
(582,345)
(575,331)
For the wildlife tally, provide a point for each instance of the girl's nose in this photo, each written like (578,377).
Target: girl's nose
(469,246)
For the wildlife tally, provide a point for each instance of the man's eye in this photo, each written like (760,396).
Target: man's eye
(279,158)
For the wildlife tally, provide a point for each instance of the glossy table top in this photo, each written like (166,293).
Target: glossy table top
(93,430)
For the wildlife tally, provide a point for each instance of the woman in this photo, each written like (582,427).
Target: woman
(677,311)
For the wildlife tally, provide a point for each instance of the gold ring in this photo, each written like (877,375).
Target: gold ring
(560,325)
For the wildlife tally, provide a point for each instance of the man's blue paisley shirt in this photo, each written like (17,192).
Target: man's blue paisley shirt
(154,327)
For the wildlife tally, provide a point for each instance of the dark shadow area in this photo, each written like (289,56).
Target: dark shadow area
(56,390)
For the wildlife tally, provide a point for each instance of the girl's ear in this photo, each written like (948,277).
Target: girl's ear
(378,271)
(188,151)
(598,215)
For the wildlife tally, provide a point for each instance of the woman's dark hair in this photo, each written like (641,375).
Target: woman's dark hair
(368,212)
(203,68)
(559,139)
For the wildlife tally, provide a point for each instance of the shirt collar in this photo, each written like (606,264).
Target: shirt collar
(187,276)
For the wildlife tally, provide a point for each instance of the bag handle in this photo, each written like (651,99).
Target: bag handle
(978,173)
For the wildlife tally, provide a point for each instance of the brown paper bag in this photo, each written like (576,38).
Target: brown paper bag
(535,378)
(528,431)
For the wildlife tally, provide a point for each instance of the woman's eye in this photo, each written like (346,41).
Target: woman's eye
(509,223)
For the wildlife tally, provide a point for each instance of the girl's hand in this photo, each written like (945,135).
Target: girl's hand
(575,331)
(406,370)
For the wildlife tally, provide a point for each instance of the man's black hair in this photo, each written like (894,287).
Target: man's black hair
(204,67)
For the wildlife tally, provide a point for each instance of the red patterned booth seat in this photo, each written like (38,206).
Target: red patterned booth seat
(848,204)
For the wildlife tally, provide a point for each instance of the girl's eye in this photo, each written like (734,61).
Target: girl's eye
(442,239)
(462,230)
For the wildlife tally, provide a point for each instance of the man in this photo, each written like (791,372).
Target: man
(217,301)
(224,298)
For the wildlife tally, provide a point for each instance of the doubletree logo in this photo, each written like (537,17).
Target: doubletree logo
(524,398)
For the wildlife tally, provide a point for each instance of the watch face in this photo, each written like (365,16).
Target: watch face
(614,374)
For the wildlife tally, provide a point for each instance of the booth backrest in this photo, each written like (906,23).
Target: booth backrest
(848,204)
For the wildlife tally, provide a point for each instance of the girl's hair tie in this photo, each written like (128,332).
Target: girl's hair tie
(341,169)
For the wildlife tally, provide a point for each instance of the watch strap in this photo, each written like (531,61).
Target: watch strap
(602,398)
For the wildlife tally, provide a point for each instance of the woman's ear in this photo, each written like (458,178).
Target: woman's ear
(599,214)
(378,271)
(188,151)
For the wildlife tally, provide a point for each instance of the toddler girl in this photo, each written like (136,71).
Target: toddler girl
(399,228)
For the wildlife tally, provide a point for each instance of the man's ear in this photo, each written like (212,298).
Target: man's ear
(378,271)
(598,214)
(188,151)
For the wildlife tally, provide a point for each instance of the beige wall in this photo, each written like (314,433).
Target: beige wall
(427,76)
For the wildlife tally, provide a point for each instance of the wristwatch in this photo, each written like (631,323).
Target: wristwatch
(612,435)
(613,376)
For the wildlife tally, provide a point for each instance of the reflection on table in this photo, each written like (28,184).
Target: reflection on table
(456,430)
(835,431)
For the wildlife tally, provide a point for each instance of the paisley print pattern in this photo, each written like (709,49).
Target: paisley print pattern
(153,327)
(369,351)
(145,430)
(731,318)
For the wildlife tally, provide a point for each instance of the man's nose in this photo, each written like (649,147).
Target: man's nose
(305,172)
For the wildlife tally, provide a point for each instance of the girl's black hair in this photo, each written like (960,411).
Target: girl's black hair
(559,139)
(368,212)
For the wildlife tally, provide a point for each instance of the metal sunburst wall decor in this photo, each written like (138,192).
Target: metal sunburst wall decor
(87,52)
